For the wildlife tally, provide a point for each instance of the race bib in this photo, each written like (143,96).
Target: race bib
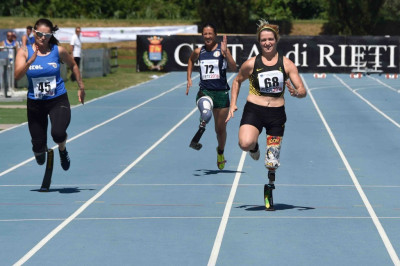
(209,69)
(44,86)
(271,81)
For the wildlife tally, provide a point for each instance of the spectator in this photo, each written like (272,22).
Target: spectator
(76,48)
(29,38)
(10,42)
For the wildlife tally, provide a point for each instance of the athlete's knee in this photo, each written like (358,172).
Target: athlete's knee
(205,105)
(59,136)
(272,153)
(220,130)
(246,144)
(39,145)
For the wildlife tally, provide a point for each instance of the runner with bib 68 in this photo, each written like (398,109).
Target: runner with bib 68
(268,74)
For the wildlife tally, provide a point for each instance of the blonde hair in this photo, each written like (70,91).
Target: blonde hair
(264,25)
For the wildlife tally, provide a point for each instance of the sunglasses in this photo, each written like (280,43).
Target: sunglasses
(41,34)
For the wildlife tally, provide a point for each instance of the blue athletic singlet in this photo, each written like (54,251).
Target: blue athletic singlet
(44,76)
(10,51)
(30,39)
(212,69)
(11,45)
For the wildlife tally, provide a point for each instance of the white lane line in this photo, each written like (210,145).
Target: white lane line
(119,91)
(92,100)
(10,128)
(60,186)
(98,125)
(384,84)
(378,225)
(368,102)
(43,242)
(197,217)
(222,226)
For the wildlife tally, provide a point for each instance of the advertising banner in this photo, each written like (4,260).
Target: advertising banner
(109,34)
(315,54)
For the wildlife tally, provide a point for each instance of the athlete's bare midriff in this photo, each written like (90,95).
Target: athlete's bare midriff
(266,101)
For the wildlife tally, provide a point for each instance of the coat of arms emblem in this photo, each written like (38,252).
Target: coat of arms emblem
(155,58)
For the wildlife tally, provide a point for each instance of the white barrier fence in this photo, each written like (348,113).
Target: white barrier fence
(7,56)
(94,63)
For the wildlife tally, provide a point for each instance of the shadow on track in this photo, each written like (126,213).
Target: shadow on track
(66,190)
(214,172)
(277,207)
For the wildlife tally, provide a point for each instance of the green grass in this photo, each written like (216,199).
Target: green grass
(120,78)
(309,21)
(13,116)
(123,77)
(94,87)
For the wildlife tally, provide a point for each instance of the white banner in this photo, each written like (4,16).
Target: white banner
(115,34)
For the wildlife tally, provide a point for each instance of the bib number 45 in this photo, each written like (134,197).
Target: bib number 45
(44,87)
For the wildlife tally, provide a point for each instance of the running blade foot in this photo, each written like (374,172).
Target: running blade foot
(195,145)
(268,199)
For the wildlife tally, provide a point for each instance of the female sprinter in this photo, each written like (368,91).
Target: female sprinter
(268,73)
(213,97)
(47,95)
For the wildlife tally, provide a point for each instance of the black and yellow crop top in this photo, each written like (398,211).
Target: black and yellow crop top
(268,80)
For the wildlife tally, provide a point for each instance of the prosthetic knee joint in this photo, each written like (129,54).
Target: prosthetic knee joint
(205,105)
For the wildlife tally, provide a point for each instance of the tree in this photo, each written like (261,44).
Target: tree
(228,15)
(308,9)
(352,17)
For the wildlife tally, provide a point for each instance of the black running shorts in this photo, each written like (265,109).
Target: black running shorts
(273,119)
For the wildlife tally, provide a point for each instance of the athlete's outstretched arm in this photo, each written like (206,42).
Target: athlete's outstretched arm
(193,58)
(21,65)
(298,91)
(69,60)
(227,54)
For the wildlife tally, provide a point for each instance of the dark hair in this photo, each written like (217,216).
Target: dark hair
(29,27)
(211,25)
(53,29)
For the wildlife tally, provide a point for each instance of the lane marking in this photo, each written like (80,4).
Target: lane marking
(221,230)
(93,100)
(197,217)
(368,102)
(378,225)
(384,84)
(98,125)
(55,231)
(67,186)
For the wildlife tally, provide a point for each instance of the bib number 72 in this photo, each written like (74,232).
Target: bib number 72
(209,69)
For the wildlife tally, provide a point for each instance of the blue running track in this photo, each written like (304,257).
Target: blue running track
(136,194)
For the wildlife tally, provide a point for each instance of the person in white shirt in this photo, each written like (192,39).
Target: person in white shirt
(76,48)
